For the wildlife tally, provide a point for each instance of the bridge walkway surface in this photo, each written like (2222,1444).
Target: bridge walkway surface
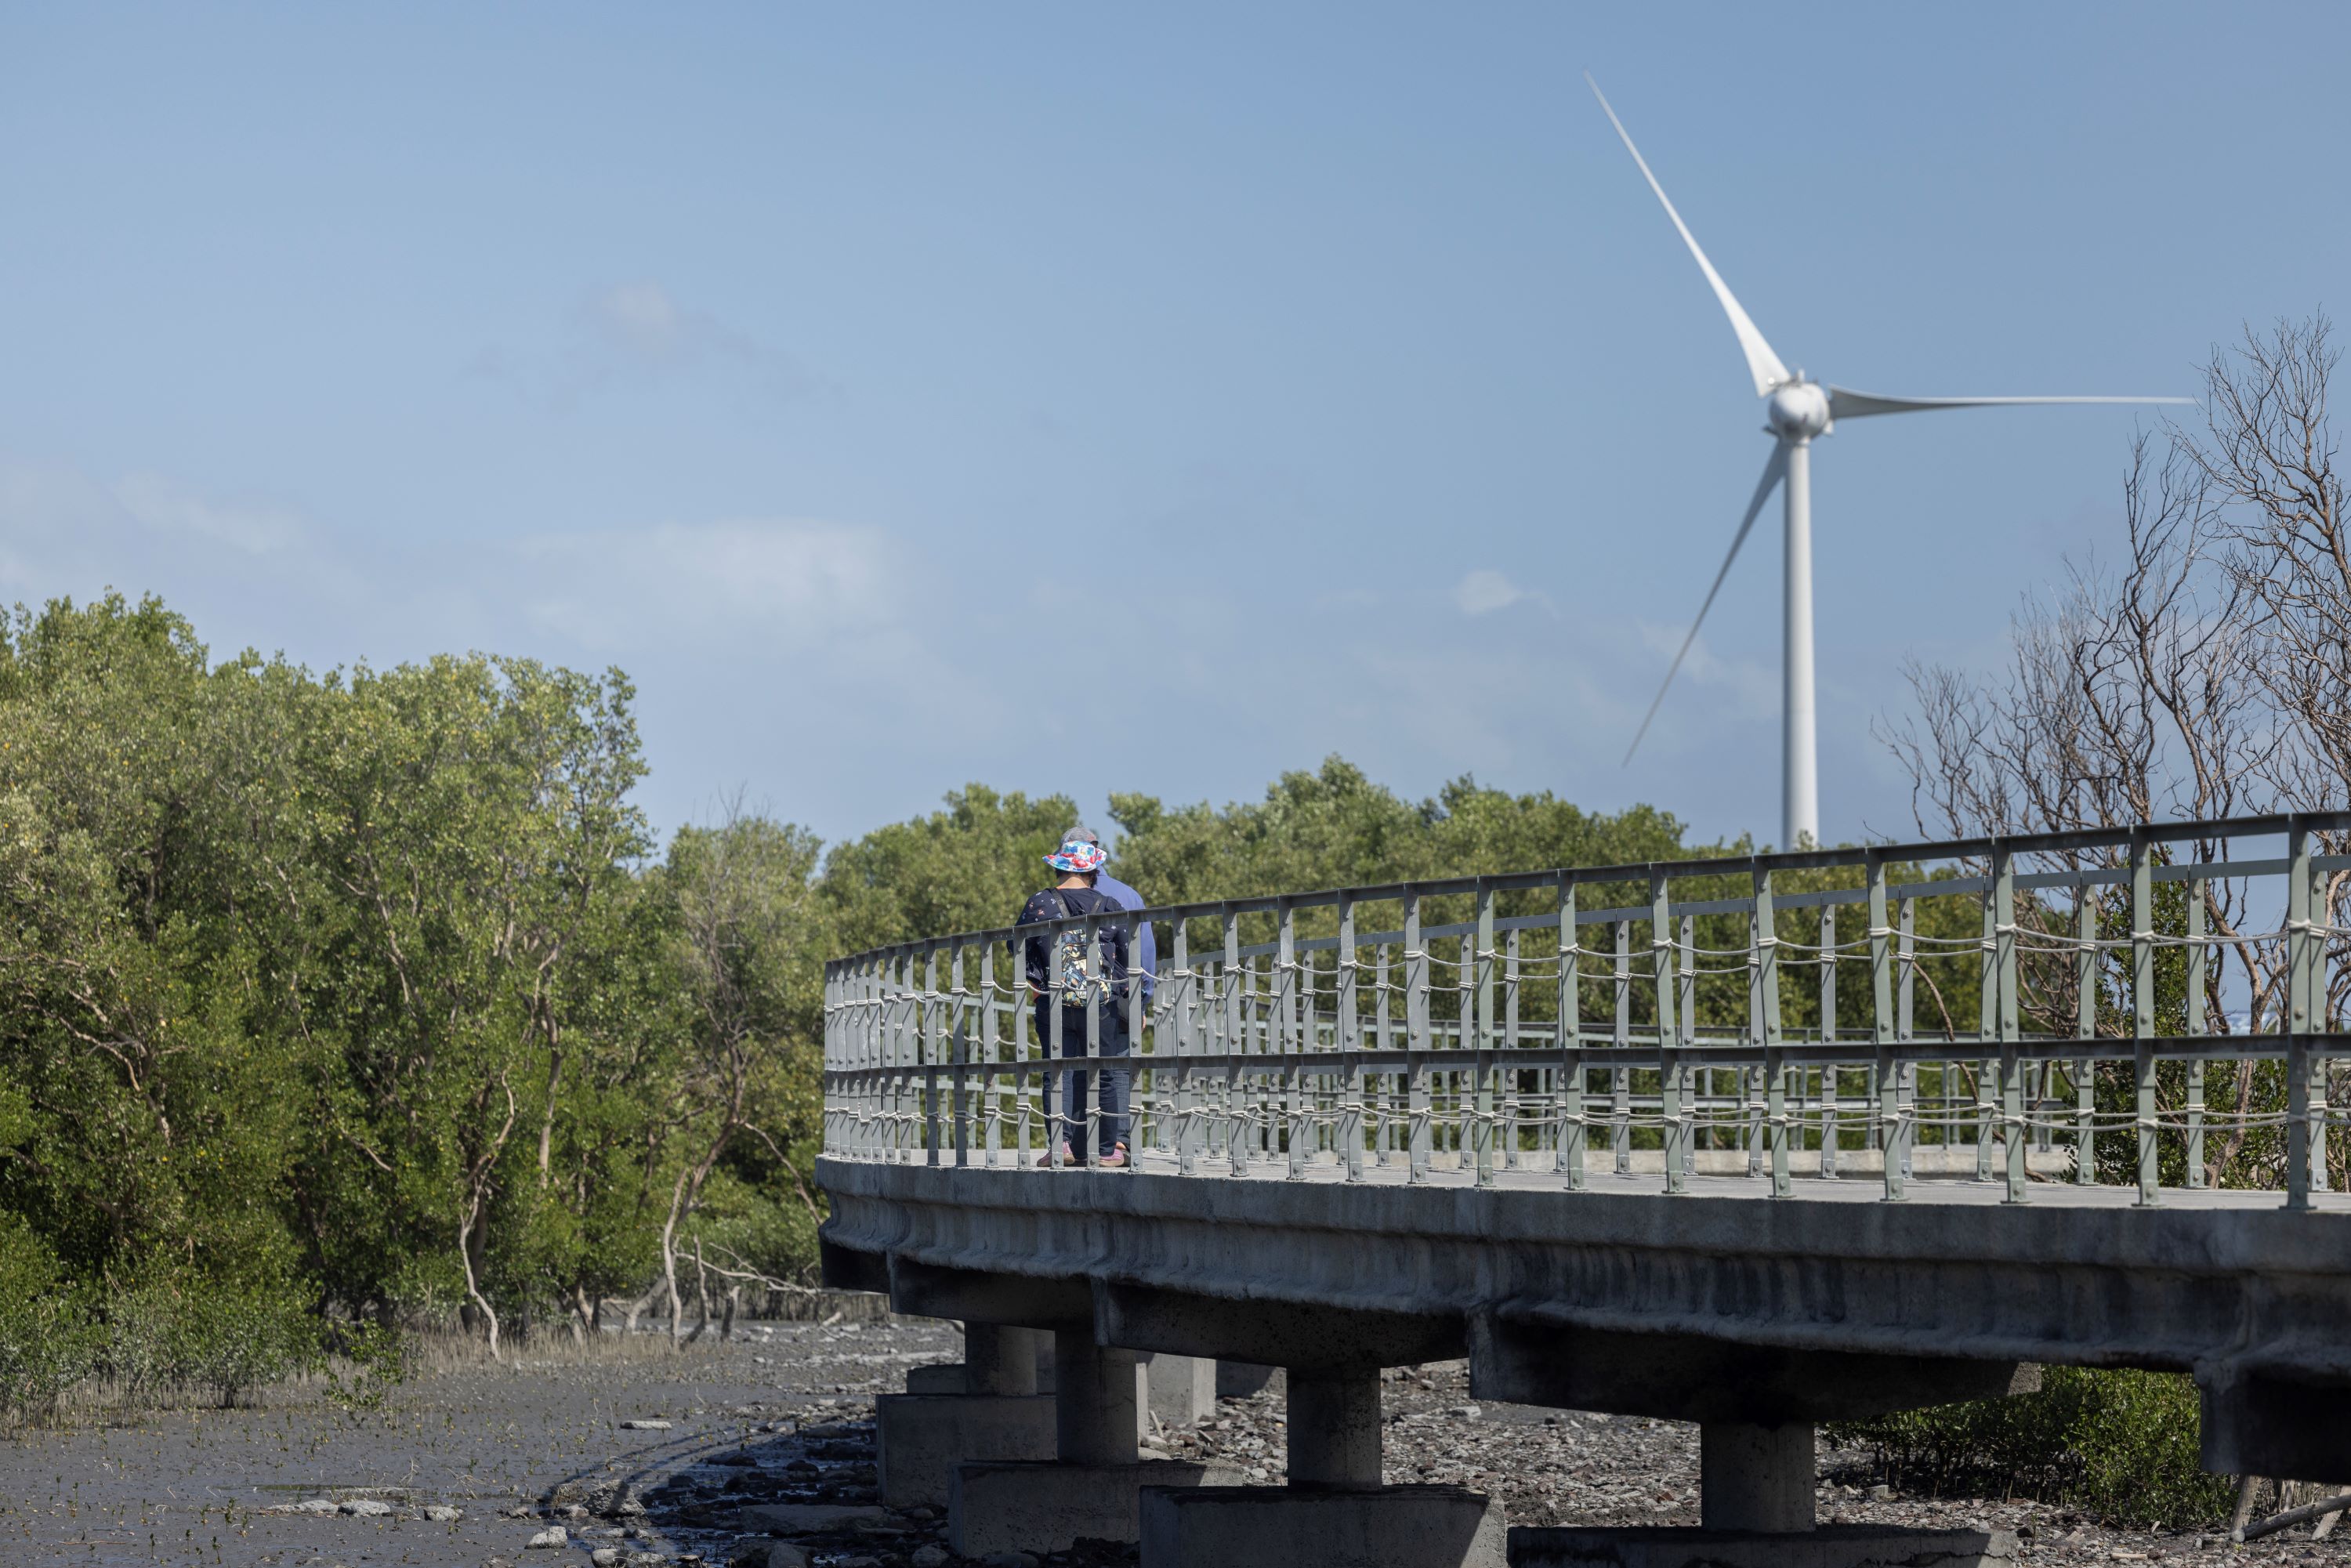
(1677,1207)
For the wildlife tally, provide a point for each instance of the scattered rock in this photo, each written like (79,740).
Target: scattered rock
(607,1557)
(758,1551)
(933,1556)
(442,1513)
(1008,1560)
(553,1535)
(312,1505)
(367,1507)
(646,1425)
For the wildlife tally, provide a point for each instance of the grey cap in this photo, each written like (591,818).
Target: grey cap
(1082,834)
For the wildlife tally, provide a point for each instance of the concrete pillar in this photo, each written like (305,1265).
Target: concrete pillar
(1094,1400)
(1755,1478)
(1334,1427)
(1181,1389)
(999,1359)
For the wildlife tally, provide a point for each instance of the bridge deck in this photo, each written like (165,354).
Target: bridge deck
(1919,1192)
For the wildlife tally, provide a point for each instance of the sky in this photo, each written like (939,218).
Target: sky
(1080,399)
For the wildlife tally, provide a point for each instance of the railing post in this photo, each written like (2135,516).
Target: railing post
(1024,1012)
(2086,1029)
(2012,1063)
(1987,1029)
(1620,1097)
(959,1041)
(1416,1037)
(1286,993)
(2197,1023)
(1185,999)
(1669,1099)
(1906,1032)
(1509,1053)
(1477,1033)
(1570,1110)
(1828,1036)
(2302,944)
(1348,1040)
(927,1053)
(991,1105)
(1775,1065)
(1894,1142)
(2142,864)
(1236,1111)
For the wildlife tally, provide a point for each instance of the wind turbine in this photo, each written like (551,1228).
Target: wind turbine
(1796,409)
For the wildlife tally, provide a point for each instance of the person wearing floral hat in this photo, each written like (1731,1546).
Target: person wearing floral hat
(1063,956)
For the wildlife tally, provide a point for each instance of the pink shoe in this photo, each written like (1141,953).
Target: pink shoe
(1115,1159)
(1045,1160)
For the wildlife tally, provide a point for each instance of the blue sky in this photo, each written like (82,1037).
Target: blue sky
(1090,399)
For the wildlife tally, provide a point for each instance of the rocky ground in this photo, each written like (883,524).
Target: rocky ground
(639,1458)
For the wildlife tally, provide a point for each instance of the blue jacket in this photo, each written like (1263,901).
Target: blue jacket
(1146,950)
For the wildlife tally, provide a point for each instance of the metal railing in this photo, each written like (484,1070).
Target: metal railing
(2145,1000)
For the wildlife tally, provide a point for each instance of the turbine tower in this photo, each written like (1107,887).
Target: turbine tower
(1796,409)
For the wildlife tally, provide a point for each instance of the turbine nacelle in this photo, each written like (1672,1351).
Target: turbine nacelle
(1798,411)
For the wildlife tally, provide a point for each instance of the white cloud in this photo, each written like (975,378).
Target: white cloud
(642,318)
(253,529)
(1483,591)
(789,582)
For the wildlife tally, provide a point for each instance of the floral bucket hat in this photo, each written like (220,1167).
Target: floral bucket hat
(1077,855)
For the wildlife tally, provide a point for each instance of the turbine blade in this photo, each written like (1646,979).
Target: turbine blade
(1846,403)
(1762,363)
(1773,471)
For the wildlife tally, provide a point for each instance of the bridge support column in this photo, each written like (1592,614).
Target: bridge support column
(1335,1509)
(1334,1429)
(986,1408)
(1755,1507)
(1755,1478)
(1093,1487)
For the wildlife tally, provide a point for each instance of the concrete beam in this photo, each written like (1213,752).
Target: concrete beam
(1277,1333)
(848,1269)
(985,1296)
(1694,1377)
(2258,1424)
(2073,1275)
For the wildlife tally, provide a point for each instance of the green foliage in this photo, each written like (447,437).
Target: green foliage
(47,1341)
(326,1000)
(180,1333)
(2119,1443)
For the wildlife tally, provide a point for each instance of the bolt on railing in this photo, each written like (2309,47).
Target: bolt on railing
(1659,1016)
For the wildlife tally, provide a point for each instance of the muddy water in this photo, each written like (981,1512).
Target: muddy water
(506,1447)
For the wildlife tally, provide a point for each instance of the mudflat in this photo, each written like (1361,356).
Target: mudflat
(470,1463)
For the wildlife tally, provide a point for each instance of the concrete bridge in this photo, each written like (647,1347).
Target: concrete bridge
(1363,1139)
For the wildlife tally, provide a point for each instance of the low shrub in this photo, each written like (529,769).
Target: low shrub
(2117,1443)
(47,1341)
(178,1334)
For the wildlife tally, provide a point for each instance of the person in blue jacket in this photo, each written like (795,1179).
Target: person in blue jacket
(1101,977)
(1146,950)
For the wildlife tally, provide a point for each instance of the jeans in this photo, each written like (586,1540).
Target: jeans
(1113,1124)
